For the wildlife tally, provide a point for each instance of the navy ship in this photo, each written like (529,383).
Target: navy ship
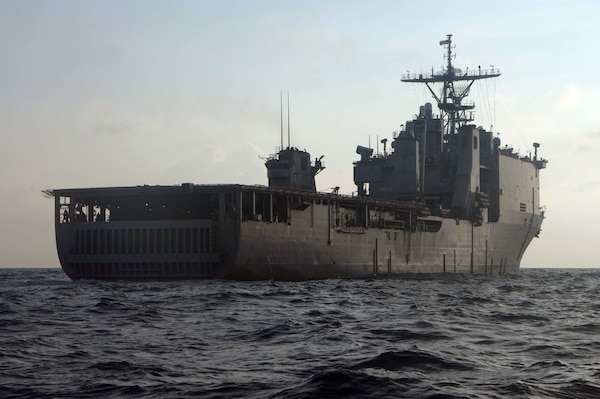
(446,197)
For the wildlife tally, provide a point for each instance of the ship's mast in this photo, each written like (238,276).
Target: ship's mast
(451,100)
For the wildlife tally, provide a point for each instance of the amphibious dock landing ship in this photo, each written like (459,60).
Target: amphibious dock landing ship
(445,198)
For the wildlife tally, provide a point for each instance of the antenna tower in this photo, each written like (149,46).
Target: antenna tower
(451,102)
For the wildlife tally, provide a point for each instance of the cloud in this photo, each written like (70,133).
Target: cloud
(100,118)
(588,142)
(219,155)
(590,186)
(594,134)
(257,149)
(569,96)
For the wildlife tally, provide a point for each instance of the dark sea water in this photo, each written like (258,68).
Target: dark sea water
(531,335)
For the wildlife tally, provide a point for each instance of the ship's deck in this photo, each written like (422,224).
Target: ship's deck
(188,188)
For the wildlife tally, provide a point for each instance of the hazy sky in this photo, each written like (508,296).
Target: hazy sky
(113,93)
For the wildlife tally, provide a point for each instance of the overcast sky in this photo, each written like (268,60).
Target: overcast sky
(113,93)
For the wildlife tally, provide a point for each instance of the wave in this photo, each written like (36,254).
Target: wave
(411,360)
(529,335)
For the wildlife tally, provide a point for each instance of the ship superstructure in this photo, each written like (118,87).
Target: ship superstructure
(444,198)
(444,160)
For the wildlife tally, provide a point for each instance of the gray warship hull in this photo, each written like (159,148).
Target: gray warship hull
(446,199)
(254,232)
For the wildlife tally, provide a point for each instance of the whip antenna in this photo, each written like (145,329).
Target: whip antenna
(281,114)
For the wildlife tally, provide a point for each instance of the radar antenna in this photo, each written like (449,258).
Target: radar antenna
(451,100)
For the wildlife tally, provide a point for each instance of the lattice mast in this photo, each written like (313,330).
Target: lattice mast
(455,111)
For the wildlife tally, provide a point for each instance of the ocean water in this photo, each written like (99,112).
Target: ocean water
(531,335)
